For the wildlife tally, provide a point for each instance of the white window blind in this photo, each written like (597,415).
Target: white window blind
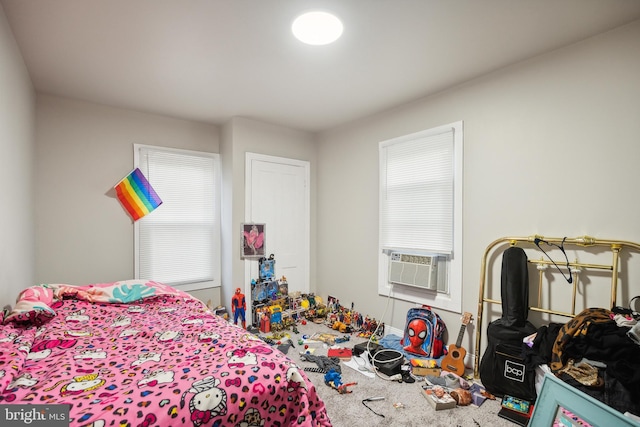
(417,192)
(178,243)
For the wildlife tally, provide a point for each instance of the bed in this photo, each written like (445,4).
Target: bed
(140,353)
(577,286)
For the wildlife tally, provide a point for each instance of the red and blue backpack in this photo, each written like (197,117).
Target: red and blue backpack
(423,333)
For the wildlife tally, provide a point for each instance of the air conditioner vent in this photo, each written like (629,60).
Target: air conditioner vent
(414,270)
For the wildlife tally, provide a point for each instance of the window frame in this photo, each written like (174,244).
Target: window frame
(216,244)
(452,299)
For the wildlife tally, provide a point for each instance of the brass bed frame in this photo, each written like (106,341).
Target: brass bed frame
(582,243)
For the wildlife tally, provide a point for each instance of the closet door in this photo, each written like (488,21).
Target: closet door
(278,195)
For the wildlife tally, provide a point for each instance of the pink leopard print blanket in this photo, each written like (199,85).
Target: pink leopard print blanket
(139,353)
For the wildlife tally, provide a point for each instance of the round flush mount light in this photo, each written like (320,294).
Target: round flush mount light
(317,28)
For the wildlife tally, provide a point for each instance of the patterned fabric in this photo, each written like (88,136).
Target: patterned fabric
(141,353)
(576,327)
(34,304)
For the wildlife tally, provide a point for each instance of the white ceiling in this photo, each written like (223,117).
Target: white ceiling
(210,60)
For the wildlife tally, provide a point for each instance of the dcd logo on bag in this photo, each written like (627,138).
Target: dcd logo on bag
(514,371)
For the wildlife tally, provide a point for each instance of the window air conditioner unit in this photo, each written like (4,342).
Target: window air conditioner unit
(420,271)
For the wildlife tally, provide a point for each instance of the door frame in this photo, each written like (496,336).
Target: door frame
(249,264)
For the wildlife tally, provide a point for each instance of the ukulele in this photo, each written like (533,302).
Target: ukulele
(454,359)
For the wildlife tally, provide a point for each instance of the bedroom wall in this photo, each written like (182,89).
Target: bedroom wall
(82,151)
(551,148)
(17,117)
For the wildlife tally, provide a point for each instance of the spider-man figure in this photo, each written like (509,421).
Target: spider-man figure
(418,333)
(238,306)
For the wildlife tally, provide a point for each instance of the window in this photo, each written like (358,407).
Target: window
(179,242)
(421,212)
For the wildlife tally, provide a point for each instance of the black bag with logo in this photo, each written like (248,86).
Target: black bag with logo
(502,368)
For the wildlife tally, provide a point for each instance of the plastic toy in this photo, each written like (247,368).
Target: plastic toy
(276,314)
(339,326)
(238,307)
(266,268)
(265,322)
(334,380)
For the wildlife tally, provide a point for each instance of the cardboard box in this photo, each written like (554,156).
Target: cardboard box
(439,403)
(424,368)
(423,372)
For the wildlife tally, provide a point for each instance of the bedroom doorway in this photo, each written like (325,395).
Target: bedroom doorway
(278,195)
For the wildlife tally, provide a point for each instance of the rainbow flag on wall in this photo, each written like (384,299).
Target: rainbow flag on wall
(136,195)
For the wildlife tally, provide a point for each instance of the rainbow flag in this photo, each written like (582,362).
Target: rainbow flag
(136,195)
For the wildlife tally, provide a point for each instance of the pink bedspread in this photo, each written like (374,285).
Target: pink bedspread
(144,354)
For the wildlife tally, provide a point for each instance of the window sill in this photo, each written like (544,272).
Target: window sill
(196,286)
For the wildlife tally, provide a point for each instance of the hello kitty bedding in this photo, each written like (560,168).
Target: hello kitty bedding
(139,353)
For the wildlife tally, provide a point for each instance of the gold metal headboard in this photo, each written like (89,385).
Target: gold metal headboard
(614,246)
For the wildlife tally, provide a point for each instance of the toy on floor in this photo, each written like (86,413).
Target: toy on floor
(265,323)
(344,338)
(238,307)
(334,380)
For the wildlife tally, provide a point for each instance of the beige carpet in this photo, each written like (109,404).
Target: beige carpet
(403,405)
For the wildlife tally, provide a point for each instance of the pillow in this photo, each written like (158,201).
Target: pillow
(33,306)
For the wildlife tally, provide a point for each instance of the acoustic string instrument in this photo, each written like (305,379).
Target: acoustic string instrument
(453,361)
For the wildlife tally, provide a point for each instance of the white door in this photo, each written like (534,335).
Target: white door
(277,195)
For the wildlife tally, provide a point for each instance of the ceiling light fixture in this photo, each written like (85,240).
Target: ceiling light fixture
(317,28)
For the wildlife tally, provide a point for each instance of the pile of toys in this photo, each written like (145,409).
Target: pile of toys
(285,312)
(273,307)
(347,320)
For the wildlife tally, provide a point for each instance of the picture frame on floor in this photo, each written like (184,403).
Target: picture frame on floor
(558,401)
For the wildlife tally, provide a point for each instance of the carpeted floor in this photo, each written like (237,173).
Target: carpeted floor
(403,404)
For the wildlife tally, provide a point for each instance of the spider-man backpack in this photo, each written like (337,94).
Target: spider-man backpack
(423,333)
